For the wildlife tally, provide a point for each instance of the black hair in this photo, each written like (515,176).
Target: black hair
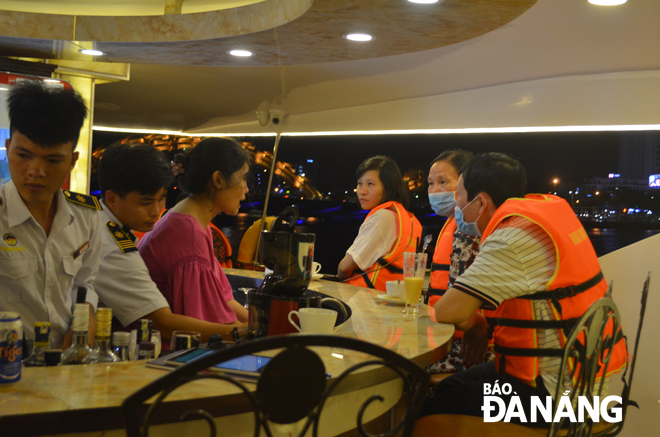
(47,116)
(497,174)
(457,158)
(390,176)
(225,155)
(133,167)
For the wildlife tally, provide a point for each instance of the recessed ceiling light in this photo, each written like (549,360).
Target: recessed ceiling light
(423,2)
(607,2)
(91,52)
(358,37)
(241,53)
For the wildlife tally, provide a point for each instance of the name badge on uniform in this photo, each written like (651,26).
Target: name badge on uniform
(82,249)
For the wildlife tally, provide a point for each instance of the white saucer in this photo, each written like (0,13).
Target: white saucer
(390,300)
(317,276)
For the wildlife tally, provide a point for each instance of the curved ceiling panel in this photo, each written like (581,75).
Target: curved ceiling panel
(139,30)
(317,36)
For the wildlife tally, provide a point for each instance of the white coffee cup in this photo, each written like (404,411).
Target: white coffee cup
(315,320)
(316,268)
(394,289)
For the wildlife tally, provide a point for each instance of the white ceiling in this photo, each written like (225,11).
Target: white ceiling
(561,63)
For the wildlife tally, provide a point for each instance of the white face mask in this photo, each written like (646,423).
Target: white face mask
(443,203)
(466,228)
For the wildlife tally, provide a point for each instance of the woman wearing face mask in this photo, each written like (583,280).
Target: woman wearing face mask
(457,245)
(376,255)
(458,242)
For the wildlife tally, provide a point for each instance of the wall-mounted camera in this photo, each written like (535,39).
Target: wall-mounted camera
(270,113)
(276,116)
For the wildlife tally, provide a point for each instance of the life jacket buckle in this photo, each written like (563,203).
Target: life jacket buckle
(562,293)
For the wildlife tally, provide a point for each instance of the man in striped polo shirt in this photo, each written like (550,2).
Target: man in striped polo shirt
(517,258)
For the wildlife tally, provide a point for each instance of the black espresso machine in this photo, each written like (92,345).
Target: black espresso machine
(289,255)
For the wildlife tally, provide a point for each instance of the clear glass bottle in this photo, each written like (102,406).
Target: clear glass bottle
(102,352)
(79,348)
(41,341)
(120,342)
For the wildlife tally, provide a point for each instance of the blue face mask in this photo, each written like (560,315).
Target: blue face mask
(466,228)
(443,203)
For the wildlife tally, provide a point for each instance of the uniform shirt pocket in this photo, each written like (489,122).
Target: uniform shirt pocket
(17,273)
(70,266)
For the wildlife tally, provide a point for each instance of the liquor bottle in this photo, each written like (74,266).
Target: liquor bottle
(102,352)
(120,342)
(79,348)
(41,341)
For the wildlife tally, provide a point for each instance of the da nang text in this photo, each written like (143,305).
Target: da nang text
(495,408)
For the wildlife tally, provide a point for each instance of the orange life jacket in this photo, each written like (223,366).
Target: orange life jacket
(576,283)
(441,259)
(389,267)
(221,247)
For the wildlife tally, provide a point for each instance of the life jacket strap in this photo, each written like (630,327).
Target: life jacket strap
(365,276)
(436,291)
(566,325)
(439,267)
(529,352)
(391,268)
(564,292)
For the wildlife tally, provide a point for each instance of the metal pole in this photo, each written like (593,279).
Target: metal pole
(270,184)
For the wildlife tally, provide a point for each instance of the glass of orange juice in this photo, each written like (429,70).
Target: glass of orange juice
(414,269)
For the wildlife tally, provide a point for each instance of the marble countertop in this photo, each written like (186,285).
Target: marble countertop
(49,392)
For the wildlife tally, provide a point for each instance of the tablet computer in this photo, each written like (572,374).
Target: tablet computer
(248,365)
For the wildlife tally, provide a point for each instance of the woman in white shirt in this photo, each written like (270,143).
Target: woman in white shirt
(389,230)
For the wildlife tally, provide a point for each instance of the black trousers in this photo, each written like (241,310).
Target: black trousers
(463,393)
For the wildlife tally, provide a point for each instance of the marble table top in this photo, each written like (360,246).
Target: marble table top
(104,386)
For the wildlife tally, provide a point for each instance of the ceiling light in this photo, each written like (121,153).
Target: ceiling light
(91,52)
(358,37)
(607,2)
(241,53)
(423,2)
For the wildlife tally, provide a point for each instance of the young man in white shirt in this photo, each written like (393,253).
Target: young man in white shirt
(51,240)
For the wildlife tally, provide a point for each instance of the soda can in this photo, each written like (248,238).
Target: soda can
(11,347)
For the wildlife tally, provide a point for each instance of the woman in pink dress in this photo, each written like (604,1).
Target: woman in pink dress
(179,251)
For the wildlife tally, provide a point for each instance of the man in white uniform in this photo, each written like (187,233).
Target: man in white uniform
(51,243)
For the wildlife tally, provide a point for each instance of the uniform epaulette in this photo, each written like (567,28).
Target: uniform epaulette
(83,199)
(123,240)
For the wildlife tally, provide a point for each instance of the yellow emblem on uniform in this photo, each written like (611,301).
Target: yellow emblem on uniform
(121,238)
(82,199)
(10,239)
